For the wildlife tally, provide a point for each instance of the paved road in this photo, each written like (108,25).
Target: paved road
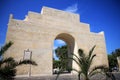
(61,77)
(66,77)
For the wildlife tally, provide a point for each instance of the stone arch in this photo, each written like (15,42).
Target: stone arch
(40,29)
(70,40)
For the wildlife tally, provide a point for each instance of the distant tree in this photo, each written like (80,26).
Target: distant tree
(8,65)
(56,64)
(112,61)
(62,54)
(112,58)
(116,53)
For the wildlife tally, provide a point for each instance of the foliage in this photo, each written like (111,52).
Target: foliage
(8,65)
(56,64)
(116,53)
(112,58)
(84,63)
(62,54)
(5,48)
(112,61)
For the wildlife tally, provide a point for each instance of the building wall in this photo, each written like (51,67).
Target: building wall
(38,31)
(118,60)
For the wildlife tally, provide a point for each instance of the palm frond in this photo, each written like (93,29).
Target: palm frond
(91,59)
(91,51)
(103,67)
(7,72)
(78,59)
(79,74)
(75,61)
(7,60)
(81,53)
(76,56)
(110,75)
(95,72)
(8,65)
(26,62)
(5,48)
(89,62)
(75,70)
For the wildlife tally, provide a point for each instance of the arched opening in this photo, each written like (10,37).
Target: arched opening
(58,44)
(63,41)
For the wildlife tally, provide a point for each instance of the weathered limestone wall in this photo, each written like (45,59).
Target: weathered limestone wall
(118,60)
(38,32)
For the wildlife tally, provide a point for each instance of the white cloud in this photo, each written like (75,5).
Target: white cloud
(73,8)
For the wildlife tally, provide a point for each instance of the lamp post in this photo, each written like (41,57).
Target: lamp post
(28,56)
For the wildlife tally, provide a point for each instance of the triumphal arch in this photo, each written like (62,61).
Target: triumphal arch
(37,33)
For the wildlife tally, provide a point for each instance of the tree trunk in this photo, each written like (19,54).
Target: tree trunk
(86,78)
(78,76)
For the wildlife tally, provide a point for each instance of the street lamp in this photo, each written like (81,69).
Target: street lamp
(28,56)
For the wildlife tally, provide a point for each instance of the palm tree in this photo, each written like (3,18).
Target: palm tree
(84,63)
(8,65)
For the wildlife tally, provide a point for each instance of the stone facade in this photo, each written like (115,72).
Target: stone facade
(118,60)
(38,31)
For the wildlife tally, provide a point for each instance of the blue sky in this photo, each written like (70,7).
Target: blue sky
(102,15)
